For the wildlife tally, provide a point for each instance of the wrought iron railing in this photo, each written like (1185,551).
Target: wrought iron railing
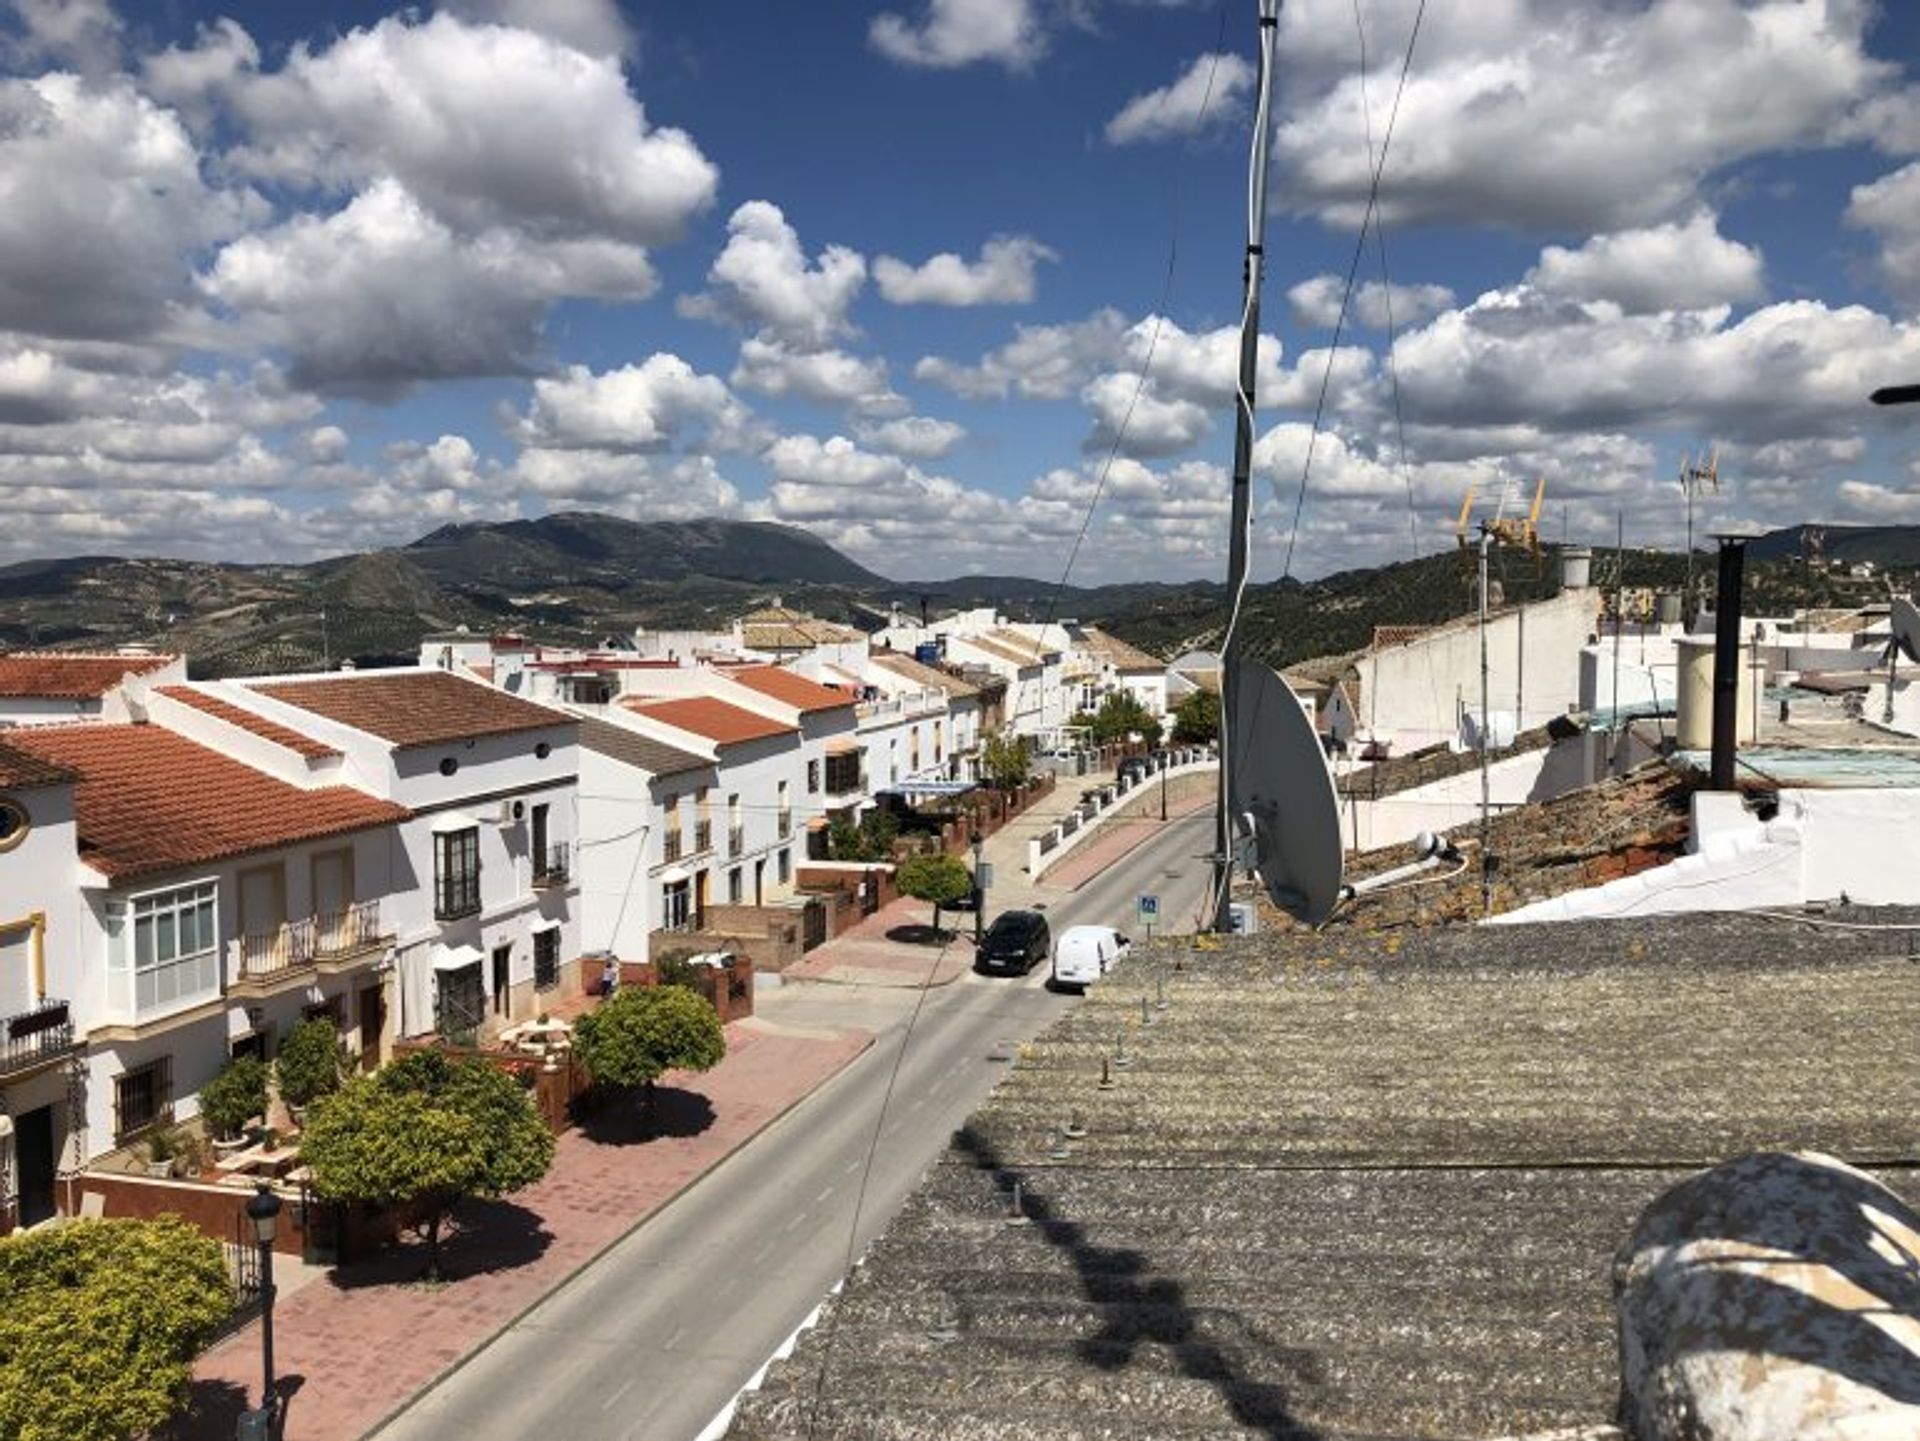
(671,843)
(33,1037)
(354,927)
(785,823)
(703,835)
(287,947)
(736,840)
(550,866)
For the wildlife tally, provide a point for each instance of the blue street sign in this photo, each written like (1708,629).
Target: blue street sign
(1149,909)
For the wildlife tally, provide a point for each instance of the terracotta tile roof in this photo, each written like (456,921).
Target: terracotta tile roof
(641,751)
(71,675)
(910,669)
(803,695)
(282,736)
(18,770)
(414,707)
(1119,654)
(778,628)
(150,800)
(1389,635)
(713,719)
(999,649)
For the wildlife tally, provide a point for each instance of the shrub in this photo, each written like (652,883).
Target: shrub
(235,1096)
(309,1065)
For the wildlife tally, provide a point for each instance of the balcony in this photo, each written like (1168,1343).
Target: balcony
(286,954)
(36,1038)
(672,844)
(844,776)
(784,823)
(550,867)
(736,841)
(703,835)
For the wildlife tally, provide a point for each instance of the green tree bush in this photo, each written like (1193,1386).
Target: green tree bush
(236,1094)
(943,880)
(1196,719)
(1004,760)
(99,1323)
(423,1133)
(644,1031)
(1120,716)
(870,839)
(309,1065)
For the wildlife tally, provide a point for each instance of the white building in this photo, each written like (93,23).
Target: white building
(489,923)
(204,908)
(39,687)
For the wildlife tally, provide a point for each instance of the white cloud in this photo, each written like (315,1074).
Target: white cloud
(962,32)
(192,78)
(913,437)
(594,26)
(487,126)
(1141,421)
(80,32)
(1042,362)
(763,278)
(1553,113)
(1316,301)
(1878,504)
(1676,266)
(103,204)
(1003,275)
(827,377)
(1207,92)
(381,295)
(641,487)
(326,444)
(637,408)
(1890,208)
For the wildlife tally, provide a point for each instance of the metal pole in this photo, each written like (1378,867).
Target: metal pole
(1163,790)
(1486,777)
(1243,459)
(1619,620)
(269,1401)
(979,891)
(1726,661)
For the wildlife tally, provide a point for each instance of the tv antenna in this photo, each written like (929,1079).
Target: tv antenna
(1904,617)
(1696,478)
(1522,532)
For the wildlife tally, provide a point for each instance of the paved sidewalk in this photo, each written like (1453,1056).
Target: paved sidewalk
(365,1339)
(1114,839)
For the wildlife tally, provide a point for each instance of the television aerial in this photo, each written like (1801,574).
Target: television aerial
(1696,478)
(1520,532)
(1280,793)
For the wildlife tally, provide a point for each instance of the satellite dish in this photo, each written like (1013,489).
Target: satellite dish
(1280,793)
(1906,627)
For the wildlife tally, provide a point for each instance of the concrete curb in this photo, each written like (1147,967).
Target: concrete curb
(517,1317)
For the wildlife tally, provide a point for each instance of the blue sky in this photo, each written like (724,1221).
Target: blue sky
(279,281)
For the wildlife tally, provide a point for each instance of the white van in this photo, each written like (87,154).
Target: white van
(1085,954)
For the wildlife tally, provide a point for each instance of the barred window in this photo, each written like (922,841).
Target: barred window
(142,1098)
(546,958)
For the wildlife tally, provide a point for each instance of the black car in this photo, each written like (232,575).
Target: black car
(1135,768)
(1015,943)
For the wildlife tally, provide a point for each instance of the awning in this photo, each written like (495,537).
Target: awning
(842,745)
(928,788)
(457,958)
(454,821)
(675,876)
(818,823)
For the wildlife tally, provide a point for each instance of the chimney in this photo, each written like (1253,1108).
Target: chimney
(1726,660)
(1576,563)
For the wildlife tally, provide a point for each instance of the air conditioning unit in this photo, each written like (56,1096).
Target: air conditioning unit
(512,810)
(1242,919)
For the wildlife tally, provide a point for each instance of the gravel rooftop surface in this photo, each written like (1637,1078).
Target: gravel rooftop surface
(1351,1185)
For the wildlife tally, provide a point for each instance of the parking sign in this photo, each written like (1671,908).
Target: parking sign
(1149,910)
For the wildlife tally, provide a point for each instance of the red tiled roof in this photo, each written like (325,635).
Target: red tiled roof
(18,770)
(714,719)
(246,720)
(71,675)
(789,689)
(415,708)
(150,800)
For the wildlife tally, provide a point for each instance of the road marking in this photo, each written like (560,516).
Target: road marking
(625,1386)
(823,1196)
(795,1220)
(850,1168)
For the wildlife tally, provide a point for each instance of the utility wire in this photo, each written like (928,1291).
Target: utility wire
(1346,296)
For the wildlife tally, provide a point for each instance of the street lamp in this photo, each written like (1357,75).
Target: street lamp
(979,843)
(263,1211)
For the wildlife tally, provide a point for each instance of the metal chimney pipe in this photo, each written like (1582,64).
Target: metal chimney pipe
(1726,660)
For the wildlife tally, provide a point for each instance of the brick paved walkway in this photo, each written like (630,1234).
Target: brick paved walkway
(365,1339)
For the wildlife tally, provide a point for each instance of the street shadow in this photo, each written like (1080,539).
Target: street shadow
(483,1235)
(919,935)
(622,1118)
(1139,1307)
(212,1413)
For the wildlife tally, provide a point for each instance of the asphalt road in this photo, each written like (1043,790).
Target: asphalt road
(652,1340)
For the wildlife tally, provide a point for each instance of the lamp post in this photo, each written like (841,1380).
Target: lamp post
(264,1212)
(979,843)
(1163,788)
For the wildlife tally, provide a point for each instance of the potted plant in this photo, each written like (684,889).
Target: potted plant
(232,1098)
(309,1064)
(163,1149)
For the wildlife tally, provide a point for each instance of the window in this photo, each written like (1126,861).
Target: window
(546,958)
(813,778)
(786,864)
(175,945)
(456,873)
(676,905)
(736,831)
(736,887)
(461,1004)
(843,773)
(13,823)
(142,1098)
(785,816)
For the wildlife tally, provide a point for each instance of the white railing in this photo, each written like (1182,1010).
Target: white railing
(1072,830)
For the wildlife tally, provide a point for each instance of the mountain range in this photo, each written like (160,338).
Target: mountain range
(579,577)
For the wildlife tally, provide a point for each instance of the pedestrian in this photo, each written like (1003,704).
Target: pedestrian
(610,977)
